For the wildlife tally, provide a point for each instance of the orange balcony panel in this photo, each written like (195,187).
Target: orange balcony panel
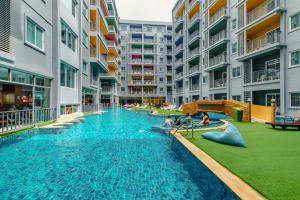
(195,10)
(252,4)
(93,15)
(93,40)
(265,26)
(103,28)
(113,51)
(103,49)
(180,12)
(112,66)
(217,6)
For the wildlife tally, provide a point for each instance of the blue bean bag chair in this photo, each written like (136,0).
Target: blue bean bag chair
(230,136)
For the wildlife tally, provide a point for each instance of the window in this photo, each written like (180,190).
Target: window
(68,37)
(295,21)
(233,24)
(236,72)
(73,7)
(149,29)
(236,97)
(34,34)
(123,78)
(295,99)
(161,60)
(234,48)
(161,80)
(161,90)
(3,74)
(122,89)
(295,58)
(85,39)
(204,80)
(85,68)
(205,98)
(123,27)
(123,58)
(22,77)
(123,48)
(67,75)
(161,49)
(85,10)
(161,69)
(161,39)
(123,68)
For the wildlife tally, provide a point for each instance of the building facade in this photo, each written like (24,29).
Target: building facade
(244,50)
(146,62)
(61,54)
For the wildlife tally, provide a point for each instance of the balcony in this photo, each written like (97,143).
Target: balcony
(133,40)
(93,2)
(137,72)
(149,40)
(149,51)
(136,82)
(136,51)
(219,83)
(148,61)
(107,89)
(147,93)
(264,41)
(222,35)
(194,69)
(148,72)
(266,75)
(179,62)
(194,87)
(178,21)
(169,82)
(194,18)
(218,15)
(136,61)
(149,82)
(169,52)
(94,81)
(169,62)
(169,72)
(194,53)
(93,26)
(191,3)
(179,75)
(178,48)
(218,60)
(179,90)
(178,35)
(193,35)
(138,30)
(262,10)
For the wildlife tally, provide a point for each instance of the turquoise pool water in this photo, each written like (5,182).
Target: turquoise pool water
(110,156)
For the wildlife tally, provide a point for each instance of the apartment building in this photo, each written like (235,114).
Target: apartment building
(248,51)
(146,62)
(61,54)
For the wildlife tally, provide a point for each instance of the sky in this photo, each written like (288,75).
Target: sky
(149,10)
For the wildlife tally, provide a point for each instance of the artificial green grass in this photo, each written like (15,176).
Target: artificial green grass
(270,163)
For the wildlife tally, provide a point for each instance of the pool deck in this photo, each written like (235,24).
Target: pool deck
(237,185)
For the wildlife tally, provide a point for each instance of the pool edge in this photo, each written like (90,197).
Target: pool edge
(236,184)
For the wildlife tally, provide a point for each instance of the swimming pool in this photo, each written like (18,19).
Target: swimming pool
(109,156)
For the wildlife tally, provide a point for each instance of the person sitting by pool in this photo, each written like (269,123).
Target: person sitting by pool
(177,121)
(169,122)
(205,120)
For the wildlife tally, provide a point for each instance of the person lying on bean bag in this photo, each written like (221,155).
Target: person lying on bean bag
(230,136)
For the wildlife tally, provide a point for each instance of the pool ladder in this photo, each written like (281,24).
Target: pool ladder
(187,130)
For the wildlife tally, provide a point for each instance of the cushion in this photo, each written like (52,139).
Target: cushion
(230,136)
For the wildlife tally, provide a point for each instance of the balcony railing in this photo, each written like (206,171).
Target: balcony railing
(136,51)
(148,51)
(194,69)
(218,37)
(136,61)
(93,2)
(194,34)
(179,90)
(196,16)
(136,30)
(169,62)
(93,52)
(111,29)
(136,40)
(262,9)
(149,40)
(94,81)
(19,119)
(93,26)
(179,62)
(102,58)
(136,93)
(169,82)
(219,83)
(178,35)
(148,72)
(266,75)
(178,75)
(91,108)
(263,41)
(194,52)
(107,89)
(221,58)
(169,52)
(111,13)
(191,3)
(194,87)
(218,15)
(178,21)
(178,48)
(136,82)
(148,82)
(169,72)
(137,72)
(148,61)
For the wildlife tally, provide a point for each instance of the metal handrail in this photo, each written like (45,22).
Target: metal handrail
(262,9)
(18,119)
(218,15)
